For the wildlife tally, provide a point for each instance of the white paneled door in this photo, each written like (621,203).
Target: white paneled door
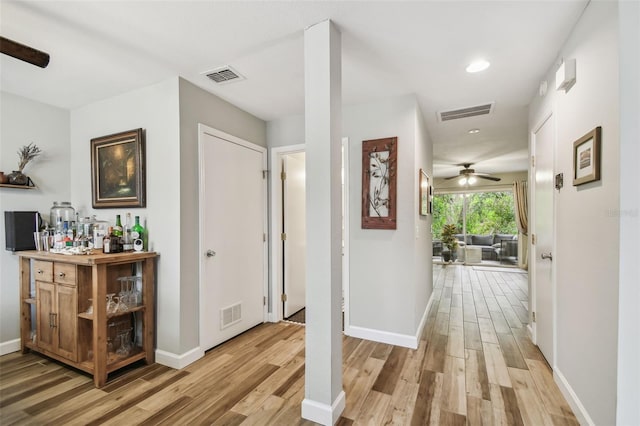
(294,245)
(232,240)
(543,257)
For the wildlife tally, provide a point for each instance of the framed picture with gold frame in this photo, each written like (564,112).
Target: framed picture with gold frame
(118,170)
(425,194)
(586,157)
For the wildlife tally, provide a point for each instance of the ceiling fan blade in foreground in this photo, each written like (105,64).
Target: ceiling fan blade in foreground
(495,179)
(24,53)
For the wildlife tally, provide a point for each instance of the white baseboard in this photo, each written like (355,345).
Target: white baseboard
(571,397)
(388,337)
(178,361)
(9,346)
(323,413)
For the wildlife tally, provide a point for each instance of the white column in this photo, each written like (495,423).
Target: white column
(324,398)
(628,411)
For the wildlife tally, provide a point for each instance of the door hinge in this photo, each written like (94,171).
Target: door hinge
(533,239)
(283,176)
(283,297)
(264,237)
(264,174)
(264,300)
(283,236)
(533,315)
(533,161)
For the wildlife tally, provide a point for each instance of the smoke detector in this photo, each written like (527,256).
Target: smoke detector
(224,75)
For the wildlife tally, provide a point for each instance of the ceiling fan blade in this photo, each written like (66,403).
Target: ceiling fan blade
(493,178)
(452,177)
(24,53)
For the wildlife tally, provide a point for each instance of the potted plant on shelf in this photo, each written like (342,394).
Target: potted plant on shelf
(449,240)
(25,154)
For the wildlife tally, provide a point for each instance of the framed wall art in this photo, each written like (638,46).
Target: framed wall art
(425,194)
(118,170)
(379,175)
(586,157)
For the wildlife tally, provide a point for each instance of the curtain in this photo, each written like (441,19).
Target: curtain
(522,220)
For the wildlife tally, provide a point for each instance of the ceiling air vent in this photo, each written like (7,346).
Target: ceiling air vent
(466,112)
(224,75)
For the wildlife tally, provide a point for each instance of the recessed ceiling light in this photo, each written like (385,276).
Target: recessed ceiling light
(478,66)
(474,131)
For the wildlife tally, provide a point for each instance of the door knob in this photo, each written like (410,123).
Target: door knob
(546,256)
(210,253)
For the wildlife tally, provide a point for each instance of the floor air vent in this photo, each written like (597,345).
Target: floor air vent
(224,75)
(230,315)
(466,112)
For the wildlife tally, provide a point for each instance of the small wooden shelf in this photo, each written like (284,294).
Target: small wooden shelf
(30,185)
(89,317)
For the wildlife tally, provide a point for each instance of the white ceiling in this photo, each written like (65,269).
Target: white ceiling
(103,48)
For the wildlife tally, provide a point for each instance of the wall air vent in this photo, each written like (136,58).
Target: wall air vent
(224,75)
(230,315)
(466,112)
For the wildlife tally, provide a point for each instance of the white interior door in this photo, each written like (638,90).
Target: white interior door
(232,197)
(294,246)
(544,292)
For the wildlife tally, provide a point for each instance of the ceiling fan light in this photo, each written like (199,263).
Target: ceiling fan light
(472,180)
(462,181)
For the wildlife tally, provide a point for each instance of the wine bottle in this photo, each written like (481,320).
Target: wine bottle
(127,241)
(138,233)
(117,230)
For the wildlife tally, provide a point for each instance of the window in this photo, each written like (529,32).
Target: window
(478,213)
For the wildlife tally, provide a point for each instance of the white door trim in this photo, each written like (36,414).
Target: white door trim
(533,251)
(202,130)
(275,197)
(275,159)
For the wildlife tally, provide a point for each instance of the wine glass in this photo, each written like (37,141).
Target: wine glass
(89,310)
(111,304)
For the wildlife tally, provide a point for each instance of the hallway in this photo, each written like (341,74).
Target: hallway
(474,364)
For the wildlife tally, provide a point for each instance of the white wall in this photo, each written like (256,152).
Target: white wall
(392,296)
(423,248)
(383,265)
(199,106)
(25,121)
(628,410)
(587,228)
(155,109)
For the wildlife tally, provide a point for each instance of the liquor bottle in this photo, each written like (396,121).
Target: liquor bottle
(127,241)
(106,242)
(117,230)
(115,245)
(67,234)
(138,233)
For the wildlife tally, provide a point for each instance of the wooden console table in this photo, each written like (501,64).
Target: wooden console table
(56,292)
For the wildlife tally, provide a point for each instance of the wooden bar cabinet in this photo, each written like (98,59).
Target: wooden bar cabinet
(63,308)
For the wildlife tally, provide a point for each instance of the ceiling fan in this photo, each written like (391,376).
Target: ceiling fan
(24,53)
(469,176)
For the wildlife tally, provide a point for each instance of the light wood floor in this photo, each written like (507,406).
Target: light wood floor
(474,365)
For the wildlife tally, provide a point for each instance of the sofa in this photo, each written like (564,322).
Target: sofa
(492,245)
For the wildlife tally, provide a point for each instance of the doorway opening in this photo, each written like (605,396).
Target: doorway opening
(288,245)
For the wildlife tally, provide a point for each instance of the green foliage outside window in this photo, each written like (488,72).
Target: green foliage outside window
(487,213)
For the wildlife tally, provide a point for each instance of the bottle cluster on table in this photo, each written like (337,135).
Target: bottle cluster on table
(68,230)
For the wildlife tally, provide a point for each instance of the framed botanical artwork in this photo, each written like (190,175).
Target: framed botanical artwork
(118,170)
(425,194)
(379,175)
(586,157)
